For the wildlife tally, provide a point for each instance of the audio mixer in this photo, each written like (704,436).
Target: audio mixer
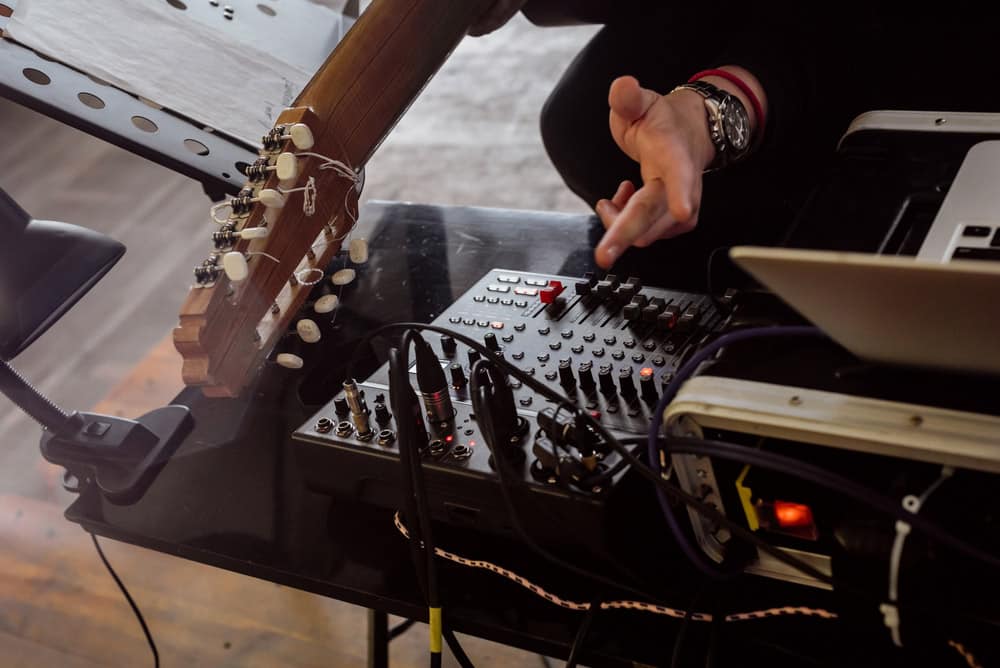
(608,343)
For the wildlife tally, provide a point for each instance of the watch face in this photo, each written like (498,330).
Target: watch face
(737,126)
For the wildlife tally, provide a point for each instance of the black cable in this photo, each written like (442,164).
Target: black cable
(676,652)
(401,628)
(643,469)
(484,418)
(128,597)
(830,480)
(456,649)
(581,635)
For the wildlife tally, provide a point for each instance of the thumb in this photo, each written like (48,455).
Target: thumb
(629,100)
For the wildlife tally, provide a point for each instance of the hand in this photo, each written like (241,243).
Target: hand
(495,17)
(668,137)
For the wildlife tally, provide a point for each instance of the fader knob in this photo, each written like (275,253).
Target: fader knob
(448,346)
(457,374)
(586,373)
(605,380)
(647,386)
(490,339)
(566,378)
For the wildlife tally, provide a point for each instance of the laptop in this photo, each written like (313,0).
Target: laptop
(967,222)
(890,309)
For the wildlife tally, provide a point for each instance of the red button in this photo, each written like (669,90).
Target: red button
(549,294)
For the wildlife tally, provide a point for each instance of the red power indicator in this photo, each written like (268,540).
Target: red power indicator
(449,438)
(646,372)
(790,515)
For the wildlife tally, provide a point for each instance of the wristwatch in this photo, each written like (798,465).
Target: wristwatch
(728,123)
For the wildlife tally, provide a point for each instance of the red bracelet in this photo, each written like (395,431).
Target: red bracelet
(758,110)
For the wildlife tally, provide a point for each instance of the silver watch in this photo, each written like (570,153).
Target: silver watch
(728,123)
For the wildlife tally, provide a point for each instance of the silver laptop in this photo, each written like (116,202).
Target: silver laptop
(967,225)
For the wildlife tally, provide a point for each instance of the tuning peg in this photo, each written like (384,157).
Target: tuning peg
(308,330)
(343,277)
(289,361)
(326,304)
(270,197)
(287,167)
(301,136)
(235,265)
(358,251)
(299,133)
(252,233)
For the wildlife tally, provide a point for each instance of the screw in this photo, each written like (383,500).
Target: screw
(916,420)
(795,401)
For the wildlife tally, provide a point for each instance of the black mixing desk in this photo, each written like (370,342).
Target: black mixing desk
(253,489)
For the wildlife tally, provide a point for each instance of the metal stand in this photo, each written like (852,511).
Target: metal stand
(378,639)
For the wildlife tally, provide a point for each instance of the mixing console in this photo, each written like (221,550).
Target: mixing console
(609,344)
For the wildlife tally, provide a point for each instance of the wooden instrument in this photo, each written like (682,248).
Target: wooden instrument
(252,286)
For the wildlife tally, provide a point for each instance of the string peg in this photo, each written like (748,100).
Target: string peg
(235,265)
(343,277)
(289,361)
(358,251)
(270,198)
(286,166)
(308,330)
(326,304)
(301,136)
(253,233)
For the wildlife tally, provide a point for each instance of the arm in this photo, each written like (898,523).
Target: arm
(776,55)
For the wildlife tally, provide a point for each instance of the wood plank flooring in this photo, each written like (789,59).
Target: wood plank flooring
(58,607)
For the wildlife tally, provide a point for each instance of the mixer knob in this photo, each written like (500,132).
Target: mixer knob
(626,383)
(382,414)
(457,376)
(652,310)
(566,378)
(491,342)
(474,357)
(607,383)
(632,312)
(340,407)
(448,346)
(586,377)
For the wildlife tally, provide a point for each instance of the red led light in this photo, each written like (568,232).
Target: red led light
(449,438)
(792,514)
(646,372)
(472,443)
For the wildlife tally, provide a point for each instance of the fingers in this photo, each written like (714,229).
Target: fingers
(626,225)
(629,100)
(623,194)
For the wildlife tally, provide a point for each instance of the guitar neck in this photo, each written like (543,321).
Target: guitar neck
(352,102)
(381,66)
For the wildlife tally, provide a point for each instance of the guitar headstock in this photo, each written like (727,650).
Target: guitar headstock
(270,244)
(273,242)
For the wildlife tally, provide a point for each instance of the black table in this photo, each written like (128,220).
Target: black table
(232,496)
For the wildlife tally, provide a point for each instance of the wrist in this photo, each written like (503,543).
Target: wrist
(755,102)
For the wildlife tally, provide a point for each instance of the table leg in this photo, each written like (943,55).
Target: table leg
(378,639)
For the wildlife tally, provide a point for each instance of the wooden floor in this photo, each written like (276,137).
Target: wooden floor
(58,607)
